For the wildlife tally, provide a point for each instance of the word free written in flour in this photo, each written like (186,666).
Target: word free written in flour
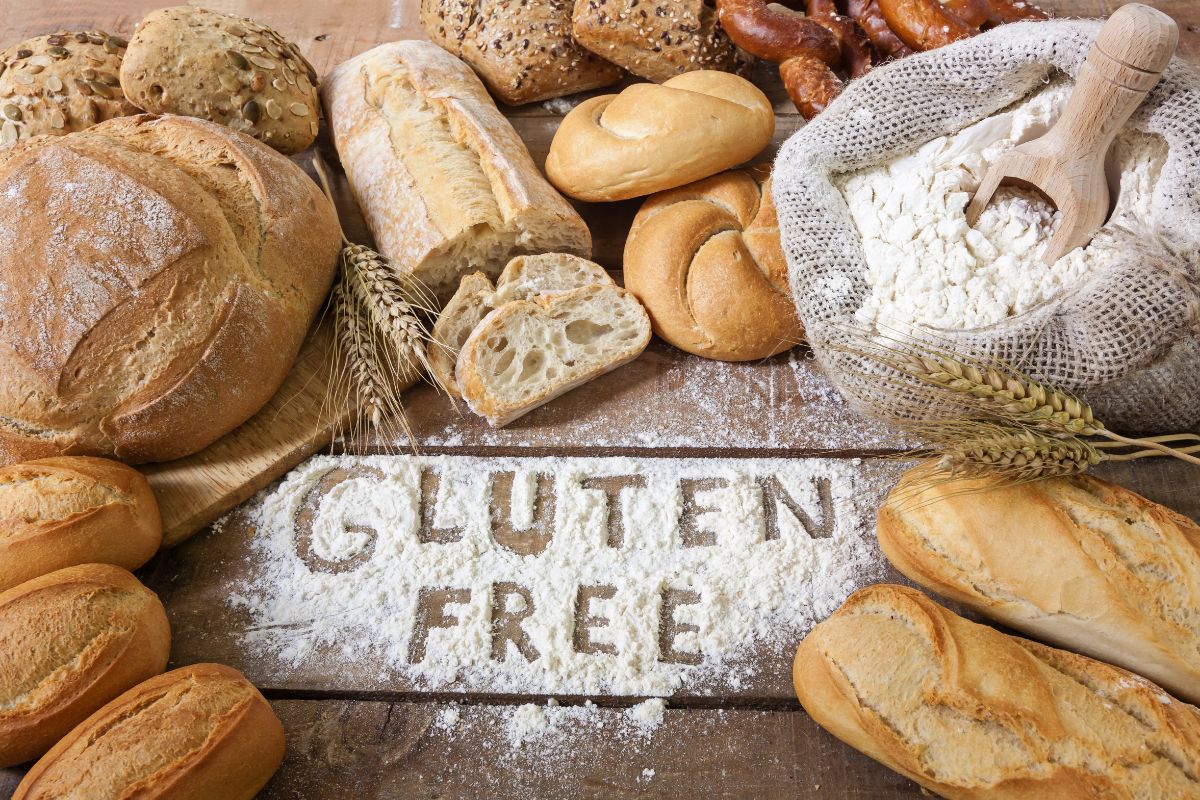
(625,576)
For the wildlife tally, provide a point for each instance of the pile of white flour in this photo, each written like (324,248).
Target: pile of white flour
(553,575)
(927,266)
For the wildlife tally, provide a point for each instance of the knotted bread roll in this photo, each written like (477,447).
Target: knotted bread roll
(649,138)
(705,261)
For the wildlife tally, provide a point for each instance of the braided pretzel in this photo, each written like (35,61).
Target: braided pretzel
(928,24)
(868,16)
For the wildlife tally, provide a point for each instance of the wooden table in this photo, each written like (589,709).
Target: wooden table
(351,735)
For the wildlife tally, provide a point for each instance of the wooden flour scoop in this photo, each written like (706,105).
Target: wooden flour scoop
(1067,163)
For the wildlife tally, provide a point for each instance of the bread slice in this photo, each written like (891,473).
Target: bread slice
(525,277)
(471,303)
(529,352)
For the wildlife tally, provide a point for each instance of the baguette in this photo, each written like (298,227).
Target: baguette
(528,352)
(970,713)
(197,733)
(60,512)
(1077,562)
(71,641)
(443,180)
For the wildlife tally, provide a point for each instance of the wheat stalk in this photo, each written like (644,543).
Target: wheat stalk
(1020,455)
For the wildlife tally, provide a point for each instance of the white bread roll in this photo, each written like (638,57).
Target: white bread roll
(1077,562)
(705,261)
(157,278)
(444,182)
(973,714)
(60,512)
(653,137)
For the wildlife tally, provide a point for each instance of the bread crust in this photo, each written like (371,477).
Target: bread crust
(73,640)
(61,512)
(444,182)
(225,740)
(1078,562)
(973,714)
(216,254)
(652,138)
(523,51)
(470,304)
(705,261)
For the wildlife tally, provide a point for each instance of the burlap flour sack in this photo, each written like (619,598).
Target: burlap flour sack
(1128,339)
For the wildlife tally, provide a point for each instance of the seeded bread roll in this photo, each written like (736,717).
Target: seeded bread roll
(60,83)
(196,733)
(70,642)
(657,39)
(1077,562)
(60,512)
(443,180)
(157,278)
(972,714)
(227,69)
(523,51)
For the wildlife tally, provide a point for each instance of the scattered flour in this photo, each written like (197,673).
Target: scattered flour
(575,576)
(647,715)
(531,722)
(927,266)
(447,718)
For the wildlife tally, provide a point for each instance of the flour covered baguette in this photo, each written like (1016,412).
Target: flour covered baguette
(973,714)
(1077,562)
(444,182)
(529,352)
(197,733)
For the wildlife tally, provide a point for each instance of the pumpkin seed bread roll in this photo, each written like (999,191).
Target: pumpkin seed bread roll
(227,69)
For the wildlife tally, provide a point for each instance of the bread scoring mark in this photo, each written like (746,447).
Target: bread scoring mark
(31,498)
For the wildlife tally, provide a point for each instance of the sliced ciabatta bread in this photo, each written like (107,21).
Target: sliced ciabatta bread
(528,276)
(528,352)
(470,304)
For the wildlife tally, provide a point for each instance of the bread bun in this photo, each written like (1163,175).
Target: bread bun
(705,261)
(223,68)
(71,641)
(652,137)
(196,733)
(60,512)
(157,277)
(973,714)
(60,83)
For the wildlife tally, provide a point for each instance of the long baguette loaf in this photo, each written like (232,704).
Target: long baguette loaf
(970,713)
(197,733)
(1077,562)
(444,182)
(71,641)
(59,512)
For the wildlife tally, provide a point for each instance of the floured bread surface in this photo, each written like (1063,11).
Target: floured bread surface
(526,277)
(157,277)
(969,712)
(528,352)
(444,182)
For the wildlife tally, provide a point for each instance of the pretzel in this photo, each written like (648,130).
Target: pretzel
(866,13)
(858,54)
(1005,11)
(925,24)
(810,84)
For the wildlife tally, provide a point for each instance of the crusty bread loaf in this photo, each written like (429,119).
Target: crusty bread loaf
(196,733)
(523,51)
(444,182)
(650,138)
(973,714)
(1077,562)
(657,39)
(71,641)
(60,512)
(157,277)
(232,70)
(527,352)
(523,278)
(60,83)
(705,261)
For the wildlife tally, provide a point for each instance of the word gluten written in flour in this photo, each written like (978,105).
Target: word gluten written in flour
(554,575)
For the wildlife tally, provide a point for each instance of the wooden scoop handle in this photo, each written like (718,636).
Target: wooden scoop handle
(1125,62)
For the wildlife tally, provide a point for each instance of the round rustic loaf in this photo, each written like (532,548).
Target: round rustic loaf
(70,642)
(705,261)
(60,83)
(60,512)
(197,733)
(157,277)
(227,69)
